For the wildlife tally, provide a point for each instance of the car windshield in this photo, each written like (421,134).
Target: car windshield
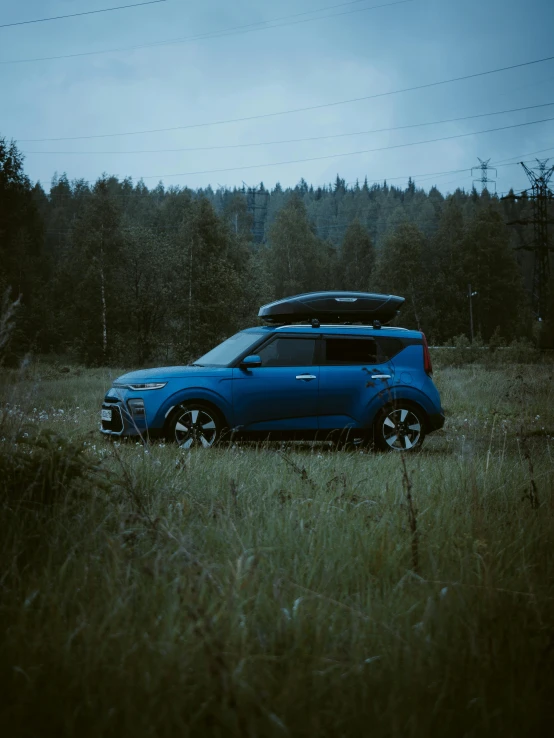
(229,350)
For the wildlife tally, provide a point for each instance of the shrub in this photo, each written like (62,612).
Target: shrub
(521,351)
(460,351)
(44,469)
(463,351)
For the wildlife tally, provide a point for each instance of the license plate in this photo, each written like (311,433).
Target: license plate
(106,414)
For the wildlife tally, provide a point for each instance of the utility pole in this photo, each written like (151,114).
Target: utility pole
(471,295)
(190,293)
(541,198)
(484,179)
(103,296)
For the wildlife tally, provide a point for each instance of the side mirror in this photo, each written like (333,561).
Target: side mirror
(250,362)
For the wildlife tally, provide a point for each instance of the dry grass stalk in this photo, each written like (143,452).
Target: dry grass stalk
(412,513)
(532,492)
(300,470)
(8,309)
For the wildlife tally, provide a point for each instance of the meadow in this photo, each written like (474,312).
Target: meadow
(277,590)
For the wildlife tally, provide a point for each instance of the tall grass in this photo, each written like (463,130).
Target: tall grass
(270,592)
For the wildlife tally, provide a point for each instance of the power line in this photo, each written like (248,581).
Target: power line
(501,163)
(420,176)
(75,15)
(296,110)
(302,140)
(455,181)
(416,177)
(348,153)
(232,31)
(370,182)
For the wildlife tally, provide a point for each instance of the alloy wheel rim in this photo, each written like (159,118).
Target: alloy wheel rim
(195,427)
(401,429)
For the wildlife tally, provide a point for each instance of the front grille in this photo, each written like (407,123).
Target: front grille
(115,425)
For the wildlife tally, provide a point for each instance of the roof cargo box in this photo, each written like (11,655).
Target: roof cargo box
(333,307)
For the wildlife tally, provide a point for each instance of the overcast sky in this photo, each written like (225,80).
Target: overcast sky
(307,60)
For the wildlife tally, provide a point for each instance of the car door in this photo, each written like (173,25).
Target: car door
(353,371)
(281,394)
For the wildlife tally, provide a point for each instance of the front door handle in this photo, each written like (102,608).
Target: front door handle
(306,377)
(380,376)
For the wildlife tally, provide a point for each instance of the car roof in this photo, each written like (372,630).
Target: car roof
(342,330)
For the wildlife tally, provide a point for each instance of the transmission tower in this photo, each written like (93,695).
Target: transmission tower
(257,201)
(540,197)
(484,179)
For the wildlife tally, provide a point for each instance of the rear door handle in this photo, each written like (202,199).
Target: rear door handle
(306,377)
(379,376)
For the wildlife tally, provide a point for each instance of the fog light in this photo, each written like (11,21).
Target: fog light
(136,407)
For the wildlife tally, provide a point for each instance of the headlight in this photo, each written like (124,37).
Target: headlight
(136,407)
(137,387)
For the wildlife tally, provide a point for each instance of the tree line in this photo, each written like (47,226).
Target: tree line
(114,272)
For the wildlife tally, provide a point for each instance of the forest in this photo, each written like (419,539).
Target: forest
(116,273)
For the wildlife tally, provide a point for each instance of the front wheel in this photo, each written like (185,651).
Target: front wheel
(399,427)
(195,425)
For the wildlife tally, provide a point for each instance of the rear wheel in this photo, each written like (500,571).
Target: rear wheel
(195,425)
(399,427)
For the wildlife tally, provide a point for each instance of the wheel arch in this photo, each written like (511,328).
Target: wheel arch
(408,403)
(215,403)
(411,397)
(207,406)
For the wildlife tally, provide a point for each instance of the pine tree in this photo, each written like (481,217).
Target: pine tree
(96,243)
(20,228)
(296,261)
(401,271)
(147,276)
(448,293)
(487,262)
(357,259)
(212,265)
(21,256)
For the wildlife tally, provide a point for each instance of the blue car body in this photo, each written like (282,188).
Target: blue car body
(312,380)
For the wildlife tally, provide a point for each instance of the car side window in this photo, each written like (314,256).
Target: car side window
(350,351)
(288,352)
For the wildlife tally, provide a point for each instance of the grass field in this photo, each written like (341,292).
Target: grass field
(278,591)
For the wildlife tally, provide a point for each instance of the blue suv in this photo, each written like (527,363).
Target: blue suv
(327,378)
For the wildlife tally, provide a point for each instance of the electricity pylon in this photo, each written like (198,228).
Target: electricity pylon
(540,197)
(484,178)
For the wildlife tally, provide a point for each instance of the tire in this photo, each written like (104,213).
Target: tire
(195,424)
(399,427)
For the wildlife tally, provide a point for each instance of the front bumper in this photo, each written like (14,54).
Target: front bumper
(121,422)
(435,422)
(111,419)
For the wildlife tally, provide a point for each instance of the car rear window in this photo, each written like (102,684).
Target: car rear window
(350,351)
(388,348)
(343,350)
